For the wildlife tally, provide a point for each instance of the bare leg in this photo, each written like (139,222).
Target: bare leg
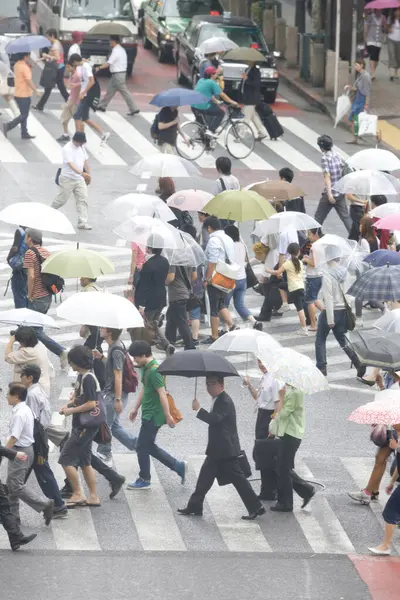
(94,126)
(214,327)
(302,319)
(372,66)
(387,538)
(79,125)
(73,478)
(90,478)
(226,316)
(312,311)
(283,296)
(373,375)
(379,470)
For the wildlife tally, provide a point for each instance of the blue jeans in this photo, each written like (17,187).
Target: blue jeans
(24,106)
(323,331)
(213,116)
(147,447)
(42,305)
(48,483)
(19,288)
(120,433)
(238,295)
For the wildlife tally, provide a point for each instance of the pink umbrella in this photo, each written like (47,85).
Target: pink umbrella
(381,4)
(384,410)
(391,222)
(189,200)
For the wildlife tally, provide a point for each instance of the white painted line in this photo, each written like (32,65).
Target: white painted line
(44,141)
(354,390)
(150,509)
(282,100)
(291,155)
(306,134)
(103,154)
(141,187)
(227,509)
(8,153)
(129,134)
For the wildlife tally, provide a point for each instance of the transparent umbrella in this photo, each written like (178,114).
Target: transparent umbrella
(24,317)
(217,44)
(332,247)
(37,216)
(389,321)
(281,221)
(375,159)
(367,183)
(151,233)
(191,255)
(390,208)
(164,165)
(134,205)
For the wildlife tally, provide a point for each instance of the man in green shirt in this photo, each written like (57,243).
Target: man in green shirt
(207,86)
(155,412)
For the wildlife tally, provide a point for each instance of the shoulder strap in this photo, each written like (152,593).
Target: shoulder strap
(222,182)
(185,278)
(38,256)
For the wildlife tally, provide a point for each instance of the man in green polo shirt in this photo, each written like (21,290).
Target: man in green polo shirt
(155,413)
(210,89)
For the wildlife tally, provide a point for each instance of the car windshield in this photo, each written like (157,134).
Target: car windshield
(100,9)
(245,37)
(9,8)
(186,9)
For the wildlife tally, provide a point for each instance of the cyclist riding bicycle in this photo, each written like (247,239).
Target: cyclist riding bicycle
(210,110)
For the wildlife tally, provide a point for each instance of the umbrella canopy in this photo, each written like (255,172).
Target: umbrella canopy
(246,340)
(150,233)
(191,255)
(164,165)
(281,221)
(380,258)
(378,285)
(178,97)
(333,247)
(37,216)
(78,262)
(295,369)
(217,44)
(390,208)
(374,159)
(375,348)
(239,205)
(100,309)
(190,200)
(367,183)
(135,205)
(23,317)
(27,43)
(384,410)
(196,363)
(277,190)
(109,28)
(245,54)
(391,222)
(389,322)
(381,4)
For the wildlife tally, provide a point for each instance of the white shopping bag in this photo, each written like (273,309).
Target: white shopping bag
(343,105)
(367,124)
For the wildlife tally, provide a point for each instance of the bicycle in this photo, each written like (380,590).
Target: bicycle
(197,138)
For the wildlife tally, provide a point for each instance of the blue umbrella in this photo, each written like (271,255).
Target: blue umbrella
(27,43)
(380,258)
(378,285)
(178,97)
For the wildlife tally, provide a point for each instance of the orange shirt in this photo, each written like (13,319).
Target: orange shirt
(22,75)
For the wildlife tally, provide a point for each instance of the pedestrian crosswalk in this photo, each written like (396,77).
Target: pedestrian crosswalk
(130,140)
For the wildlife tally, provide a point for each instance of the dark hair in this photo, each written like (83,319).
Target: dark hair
(325,142)
(286,174)
(216,376)
(156,251)
(378,199)
(367,229)
(74,58)
(224,165)
(26,336)
(278,206)
(52,33)
(33,371)
(115,38)
(360,61)
(166,186)
(190,229)
(294,249)
(115,333)
(140,349)
(81,356)
(200,212)
(15,388)
(35,235)
(21,55)
(317,231)
(233,232)
(212,222)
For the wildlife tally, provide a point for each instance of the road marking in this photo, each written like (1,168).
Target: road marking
(151,513)
(129,134)
(291,155)
(307,134)
(8,153)
(390,134)
(44,141)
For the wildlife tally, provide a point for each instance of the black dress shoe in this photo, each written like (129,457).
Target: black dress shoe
(307,500)
(37,107)
(133,112)
(28,136)
(280,508)
(196,512)
(254,515)
(116,486)
(23,540)
(101,109)
(262,318)
(276,313)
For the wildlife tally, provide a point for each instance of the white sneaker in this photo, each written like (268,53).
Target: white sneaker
(84,226)
(360,497)
(104,138)
(302,332)
(359,323)
(379,552)
(284,308)
(107,460)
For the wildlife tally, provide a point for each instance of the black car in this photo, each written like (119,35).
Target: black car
(245,33)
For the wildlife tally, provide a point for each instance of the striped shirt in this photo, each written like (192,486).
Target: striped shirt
(31,261)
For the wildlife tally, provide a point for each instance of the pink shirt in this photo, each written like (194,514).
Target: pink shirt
(140,255)
(75,86)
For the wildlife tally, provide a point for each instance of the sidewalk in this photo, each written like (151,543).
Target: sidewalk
(385,101)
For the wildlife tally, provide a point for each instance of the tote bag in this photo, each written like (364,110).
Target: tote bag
(97,416)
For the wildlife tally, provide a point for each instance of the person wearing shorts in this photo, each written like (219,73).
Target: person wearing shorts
(69,109)
(313,282)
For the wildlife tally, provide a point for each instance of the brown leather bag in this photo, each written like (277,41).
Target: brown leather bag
(173,409)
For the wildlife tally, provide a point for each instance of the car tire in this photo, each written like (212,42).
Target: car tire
(129,69)
(147,45)
(270,97)
(195,77)
(181,79)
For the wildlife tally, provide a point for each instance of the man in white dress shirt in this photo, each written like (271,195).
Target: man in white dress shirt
(21,440)
(118,64)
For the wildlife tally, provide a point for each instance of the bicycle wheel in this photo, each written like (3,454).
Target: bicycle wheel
(240,139)
(193,132)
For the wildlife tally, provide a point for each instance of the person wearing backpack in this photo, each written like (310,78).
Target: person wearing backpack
(226,181)
(115,396)
(15,259)
(165,129)
(39,296)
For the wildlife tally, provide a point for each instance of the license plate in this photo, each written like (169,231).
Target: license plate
(97,60)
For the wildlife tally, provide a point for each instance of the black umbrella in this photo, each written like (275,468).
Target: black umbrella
(195,363)
(375,348)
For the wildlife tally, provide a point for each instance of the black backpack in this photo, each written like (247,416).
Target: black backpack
(53,283)
(41,442)
(94,93)
(154,131)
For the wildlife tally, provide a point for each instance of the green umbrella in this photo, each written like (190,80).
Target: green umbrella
(77,263)
(240,206)
(246,54)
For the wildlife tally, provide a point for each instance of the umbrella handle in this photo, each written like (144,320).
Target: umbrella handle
(195,388)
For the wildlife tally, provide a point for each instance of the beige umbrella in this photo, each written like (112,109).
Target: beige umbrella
(278,190)
(245,54)
(109,28)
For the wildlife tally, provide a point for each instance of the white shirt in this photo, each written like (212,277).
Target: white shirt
(240,259)
(268,392)
(312,271)
(74,49)
(76,155)
(219,246)
(287,237)
(39,404)
(21,425)
(394,35)
(118,60)
(230,183)
(85,73)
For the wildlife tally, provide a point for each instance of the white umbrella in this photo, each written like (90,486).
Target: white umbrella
(191,255)
(164,165)
(281,221)
(333,247)
(100,309)
(217,44)
(366,183)
(194,200)
(390,208)
(150,233)
(37,216)
(24,317)
(374,159)
(389,321)
(246,340)
(134,205)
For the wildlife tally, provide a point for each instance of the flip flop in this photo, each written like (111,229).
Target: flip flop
(92,504)
(76,504)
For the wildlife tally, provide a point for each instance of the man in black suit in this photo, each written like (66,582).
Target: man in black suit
(222,452)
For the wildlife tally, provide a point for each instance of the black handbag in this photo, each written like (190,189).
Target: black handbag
(251,279)
(266,453)
(350,316)
(48,78)
(97,416)
(57,178)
